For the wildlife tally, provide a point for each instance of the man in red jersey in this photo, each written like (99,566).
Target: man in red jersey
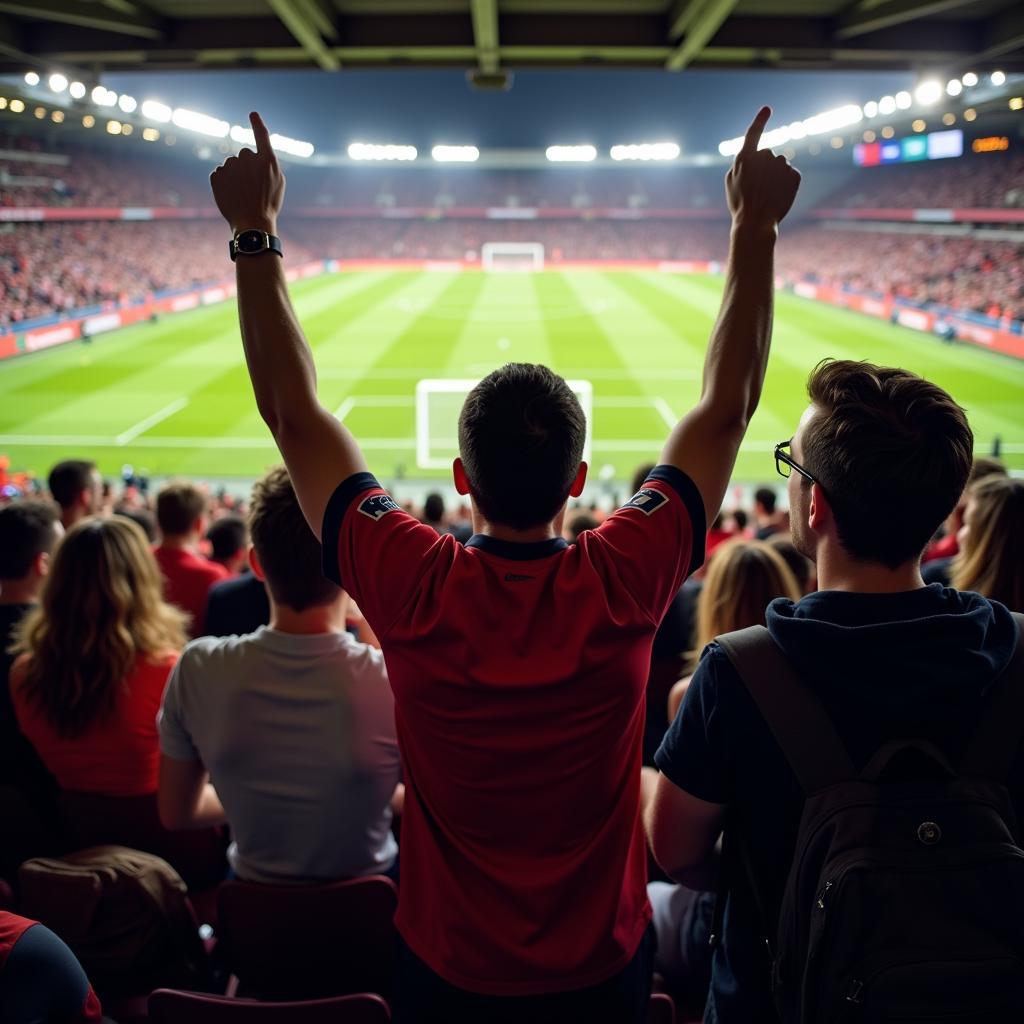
(518,663)
(181,514)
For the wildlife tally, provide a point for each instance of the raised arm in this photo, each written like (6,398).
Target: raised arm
(760,188)
(318,450)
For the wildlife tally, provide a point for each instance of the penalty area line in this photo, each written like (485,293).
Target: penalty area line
(151,421)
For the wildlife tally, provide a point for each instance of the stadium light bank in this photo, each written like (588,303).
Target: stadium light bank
(376,151)
(819,124)
(455,154)
(282,143)
(645,151)
(571,154)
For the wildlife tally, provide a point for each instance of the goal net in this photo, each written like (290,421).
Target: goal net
(438,404)
(512,256)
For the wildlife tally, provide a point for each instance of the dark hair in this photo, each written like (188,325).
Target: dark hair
(433,508)
(640,476)
(27,530)
(892,453)
(141,518)
(740,518)
(227,536)
(579,523)
(521,434)
(68,479)
(178,505)
(983,466)
(287,548)
(766,498)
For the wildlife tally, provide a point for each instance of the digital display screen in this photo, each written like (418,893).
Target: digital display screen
(933,146)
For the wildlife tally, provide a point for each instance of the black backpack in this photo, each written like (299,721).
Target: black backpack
(905,899)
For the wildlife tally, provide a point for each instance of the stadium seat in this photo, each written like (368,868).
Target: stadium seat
(169,1006)
(290,942)
(661,1009)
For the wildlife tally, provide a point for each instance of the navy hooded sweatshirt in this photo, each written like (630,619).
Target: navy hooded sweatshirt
(885,667)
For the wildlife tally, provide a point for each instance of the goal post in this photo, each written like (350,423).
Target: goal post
(438,404)
(512,256)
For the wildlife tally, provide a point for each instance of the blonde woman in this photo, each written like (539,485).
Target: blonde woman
(991,541)
(93,661)
(743,578)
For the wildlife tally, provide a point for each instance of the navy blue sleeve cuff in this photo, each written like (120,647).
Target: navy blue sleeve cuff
(687,490)
(344,494)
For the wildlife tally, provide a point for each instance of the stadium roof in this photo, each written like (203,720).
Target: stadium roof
(491,36)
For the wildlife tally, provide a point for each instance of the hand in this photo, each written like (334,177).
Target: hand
(249,188)
(760,186)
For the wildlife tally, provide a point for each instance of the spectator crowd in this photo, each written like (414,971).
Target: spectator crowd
(553,754)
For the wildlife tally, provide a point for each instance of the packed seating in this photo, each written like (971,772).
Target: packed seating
(968,274)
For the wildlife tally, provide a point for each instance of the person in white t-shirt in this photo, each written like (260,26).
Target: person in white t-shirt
(288,733)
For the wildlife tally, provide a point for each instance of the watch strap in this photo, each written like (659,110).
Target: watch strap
(273,244)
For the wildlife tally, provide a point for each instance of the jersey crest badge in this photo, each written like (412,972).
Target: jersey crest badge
(378,505)
(647,500)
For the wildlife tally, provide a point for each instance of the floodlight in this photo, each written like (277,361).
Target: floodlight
(571,154)
(871,109)
(928,92)
(887,105)
(376,151)
(57,82)
(151,134)
(831,120)
(455,154)
(903,100)
(127,104)
(203,124)
(17,106)
(294,147)
(156,111)
(243,136)
(77,90)
(31,78)
(103,97)
(114,127)
(646,151)
(797,130)
(970,79)
(997,78)
(954,87)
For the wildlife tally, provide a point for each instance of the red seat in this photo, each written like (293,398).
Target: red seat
(308,941)
(168,1006)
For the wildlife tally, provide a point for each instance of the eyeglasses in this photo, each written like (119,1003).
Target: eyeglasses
(785,463)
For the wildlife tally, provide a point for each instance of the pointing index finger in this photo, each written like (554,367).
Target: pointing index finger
(261,135)
(755,131)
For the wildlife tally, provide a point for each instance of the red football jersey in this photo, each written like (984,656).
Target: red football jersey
(187,581)
(519,672)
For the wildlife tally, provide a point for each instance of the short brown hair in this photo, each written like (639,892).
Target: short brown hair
(891,451)
(521,434)
(287,548)
(27,530)
(178,505)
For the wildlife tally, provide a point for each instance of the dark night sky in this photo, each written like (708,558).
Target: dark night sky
(697,108)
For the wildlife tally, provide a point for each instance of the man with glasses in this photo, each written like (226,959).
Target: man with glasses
(878,460)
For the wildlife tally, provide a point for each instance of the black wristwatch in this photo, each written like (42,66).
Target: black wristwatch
(253,241)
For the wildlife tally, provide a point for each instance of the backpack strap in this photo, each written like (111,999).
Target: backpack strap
(991,751)
(794,714)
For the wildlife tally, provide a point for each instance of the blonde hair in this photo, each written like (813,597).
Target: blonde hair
(991,561)
(101,607)
(743,577)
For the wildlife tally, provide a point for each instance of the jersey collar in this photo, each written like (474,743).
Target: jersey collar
(518,552)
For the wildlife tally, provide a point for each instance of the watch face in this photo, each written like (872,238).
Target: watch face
(251,241)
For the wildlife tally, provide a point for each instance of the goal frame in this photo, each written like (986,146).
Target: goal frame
(583,389)
(488,250)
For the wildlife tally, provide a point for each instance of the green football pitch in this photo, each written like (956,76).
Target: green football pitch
(173,397)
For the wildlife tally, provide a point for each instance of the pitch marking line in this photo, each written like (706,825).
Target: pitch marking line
(151,421)
(344,409)
(666,412)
